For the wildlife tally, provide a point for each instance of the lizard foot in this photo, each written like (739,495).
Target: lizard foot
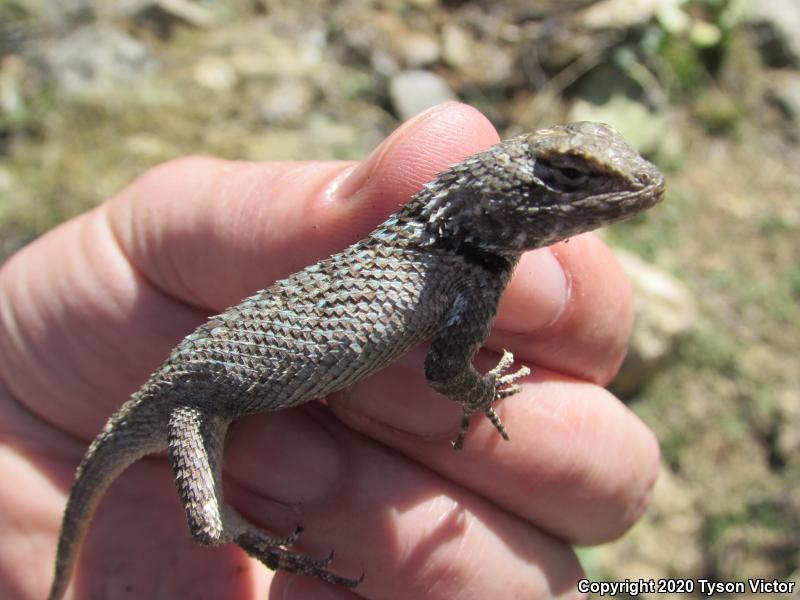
(273,553)
(503,388)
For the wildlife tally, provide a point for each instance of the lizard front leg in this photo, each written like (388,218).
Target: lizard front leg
(448,365)
(195,452)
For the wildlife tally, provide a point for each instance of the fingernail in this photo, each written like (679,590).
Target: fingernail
(537,295)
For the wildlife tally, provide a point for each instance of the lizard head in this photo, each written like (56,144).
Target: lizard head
(586,175)
(540,188)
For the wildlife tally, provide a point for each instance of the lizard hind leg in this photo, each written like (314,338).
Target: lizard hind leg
(195,448)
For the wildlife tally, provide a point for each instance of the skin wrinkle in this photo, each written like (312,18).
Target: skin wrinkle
(11,325)
(130,285)
(139,225)
(139,275)
(9,332)
(95,232)
(252,207)
(142,237)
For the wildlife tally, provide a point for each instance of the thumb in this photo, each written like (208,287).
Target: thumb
(210,232)
(93,306)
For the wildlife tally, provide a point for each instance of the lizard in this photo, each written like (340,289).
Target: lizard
(435,269)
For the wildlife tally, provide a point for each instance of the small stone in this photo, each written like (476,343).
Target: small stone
(424,4)
(279,55)
(417,49)
(7,182)
(624,14)
(150,148)
(411,92)
(56,14)
(608,95)
(191,13)
(12,74)
(784,88)
(215,74)
(705,35)
(97,59)
(392,43)
(289,101)
(456,46)
(277,144)
(780,22)
(158,12)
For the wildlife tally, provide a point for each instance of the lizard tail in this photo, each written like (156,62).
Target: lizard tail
(129,435)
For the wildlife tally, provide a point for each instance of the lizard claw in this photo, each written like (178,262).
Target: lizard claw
(290,539)
(503,388)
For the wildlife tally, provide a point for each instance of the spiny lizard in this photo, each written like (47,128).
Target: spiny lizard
(436,268)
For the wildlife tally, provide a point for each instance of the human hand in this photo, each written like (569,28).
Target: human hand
(91,308)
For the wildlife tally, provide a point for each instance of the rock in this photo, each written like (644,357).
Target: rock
(161,13)
(417,49)
(457,46)
(289,101)
(189,13)
(12,76)
(719,111)
(334,138)
(520,11)
(424,4)
(665,312)
(784,89)
(277,144)
(555,48)
(608,95)
(625,14)
(56,14)
(667,540)
(275,54)
(215,74)
(477,62)
(411,92)
(149,148)
(777,23)
(392,40)
(98,60)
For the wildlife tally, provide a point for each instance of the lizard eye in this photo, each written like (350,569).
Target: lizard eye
(571,175)
(566,178)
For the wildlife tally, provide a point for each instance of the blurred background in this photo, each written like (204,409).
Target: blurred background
(94,92)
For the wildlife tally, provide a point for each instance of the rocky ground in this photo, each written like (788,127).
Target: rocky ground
(92,93)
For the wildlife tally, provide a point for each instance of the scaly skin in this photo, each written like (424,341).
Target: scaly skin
(436,268)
